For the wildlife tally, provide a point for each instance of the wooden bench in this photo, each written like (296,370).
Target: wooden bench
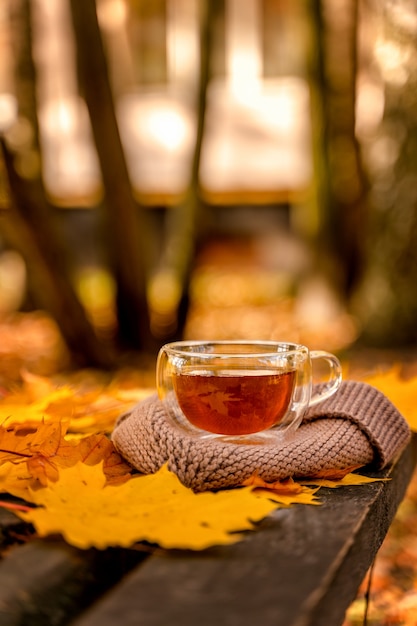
(301,567)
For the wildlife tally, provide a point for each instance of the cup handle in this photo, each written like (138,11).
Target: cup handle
(328,388)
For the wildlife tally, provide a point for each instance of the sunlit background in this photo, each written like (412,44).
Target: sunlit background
(269,258)
(233,169)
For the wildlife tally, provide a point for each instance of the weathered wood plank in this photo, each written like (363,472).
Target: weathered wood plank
(49,582)
(301,568)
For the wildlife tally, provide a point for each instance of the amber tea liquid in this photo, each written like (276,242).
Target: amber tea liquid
(234,403)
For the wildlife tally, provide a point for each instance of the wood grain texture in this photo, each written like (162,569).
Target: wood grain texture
(302,567)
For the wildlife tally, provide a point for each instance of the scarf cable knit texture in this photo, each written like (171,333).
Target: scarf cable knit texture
(357,426)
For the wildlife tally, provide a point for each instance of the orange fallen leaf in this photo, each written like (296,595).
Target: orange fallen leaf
(287,486)
(42,469)
(19,442)
(285,492)
(97,448)
(335,474)
(44,450)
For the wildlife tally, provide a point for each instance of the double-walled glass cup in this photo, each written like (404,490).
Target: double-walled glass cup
(235,389)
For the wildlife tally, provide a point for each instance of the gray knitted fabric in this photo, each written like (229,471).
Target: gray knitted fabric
(357,426)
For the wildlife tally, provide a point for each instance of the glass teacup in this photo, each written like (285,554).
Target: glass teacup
(235,389)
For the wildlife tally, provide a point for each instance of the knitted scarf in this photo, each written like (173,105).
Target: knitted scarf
(357,426)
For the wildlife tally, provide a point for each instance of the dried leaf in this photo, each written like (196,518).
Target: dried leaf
(348,479)
(305,496)
(44,450)
(96,449)
(42,469)
(286,492)
(287,486)
(336,474)
(19,442)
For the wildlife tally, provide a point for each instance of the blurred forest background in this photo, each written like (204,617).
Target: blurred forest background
(205,168)
(211,169)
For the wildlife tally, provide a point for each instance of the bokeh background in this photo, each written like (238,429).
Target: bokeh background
(211,169)
(182,168)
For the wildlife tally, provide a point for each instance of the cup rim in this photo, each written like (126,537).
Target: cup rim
(185,347)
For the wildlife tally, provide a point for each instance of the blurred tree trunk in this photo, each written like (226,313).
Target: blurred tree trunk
(169,293)
(386,302)
(126,227)
(339,179)
(28,223)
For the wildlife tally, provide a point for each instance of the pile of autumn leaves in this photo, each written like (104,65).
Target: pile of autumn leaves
(60,472)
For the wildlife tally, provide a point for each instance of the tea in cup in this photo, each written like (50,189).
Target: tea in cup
(238,388)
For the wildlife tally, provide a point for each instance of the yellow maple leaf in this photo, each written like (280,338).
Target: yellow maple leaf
(348,479)
(156,508)
(16,409)
(88,408)
(14,479)
(402,392)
